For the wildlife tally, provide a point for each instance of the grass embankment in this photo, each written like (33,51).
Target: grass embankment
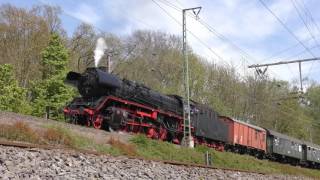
(141,146)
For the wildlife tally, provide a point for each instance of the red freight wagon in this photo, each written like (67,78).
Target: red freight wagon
(244,137)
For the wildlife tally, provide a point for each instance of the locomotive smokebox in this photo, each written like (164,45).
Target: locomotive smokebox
(103,78)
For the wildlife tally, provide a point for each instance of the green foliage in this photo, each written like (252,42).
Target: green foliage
(52,91)
(54,57)
(12,97)
(313,97)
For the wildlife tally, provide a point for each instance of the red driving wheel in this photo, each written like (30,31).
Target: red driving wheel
(163,133)
(97,123)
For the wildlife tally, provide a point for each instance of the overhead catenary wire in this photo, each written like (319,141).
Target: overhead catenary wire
(295,5)
(286,27)
(217,34)
(292,110)
(196,37)
(308,14)
(304,22)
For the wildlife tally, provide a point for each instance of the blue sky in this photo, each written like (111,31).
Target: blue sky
(246,23)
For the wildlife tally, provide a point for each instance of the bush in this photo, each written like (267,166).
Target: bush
(12,97)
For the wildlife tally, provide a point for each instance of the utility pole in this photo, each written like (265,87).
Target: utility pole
(299,61)
(187,137)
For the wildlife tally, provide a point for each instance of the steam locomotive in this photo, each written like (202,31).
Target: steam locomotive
(114,104)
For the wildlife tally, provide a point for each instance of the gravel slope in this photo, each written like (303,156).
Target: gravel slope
(16,163)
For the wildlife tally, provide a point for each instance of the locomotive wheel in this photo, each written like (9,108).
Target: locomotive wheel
(152,133)
(163,133)
(97,123)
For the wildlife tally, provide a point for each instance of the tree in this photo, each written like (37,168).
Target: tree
(12,97)
(54,58)
(83,43)
(24,33)
(81,47)
(51,90)
(313,97)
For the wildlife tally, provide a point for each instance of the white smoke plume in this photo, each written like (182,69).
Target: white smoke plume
(99,51)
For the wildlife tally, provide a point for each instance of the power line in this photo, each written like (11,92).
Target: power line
(276,54)
(308,14)
(286,27)
(304,22)
(217,34)
(300,52)
(203,43)
(297,54)
(239,76)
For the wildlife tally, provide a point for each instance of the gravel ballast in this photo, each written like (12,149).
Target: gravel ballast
(17,163)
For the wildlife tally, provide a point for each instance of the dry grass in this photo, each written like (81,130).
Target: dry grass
(19,131)
(57,136)
(126,149)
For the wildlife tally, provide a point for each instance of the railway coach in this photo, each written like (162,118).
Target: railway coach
(283,148)
(311,154)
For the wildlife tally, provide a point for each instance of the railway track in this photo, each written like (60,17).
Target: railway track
(66,149)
